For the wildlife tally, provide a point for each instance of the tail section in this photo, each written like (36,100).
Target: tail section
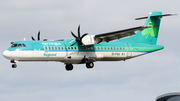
(149,35)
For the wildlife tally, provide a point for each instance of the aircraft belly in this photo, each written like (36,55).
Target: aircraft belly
(90,55)
(118,56)
(135,54)
(111,56)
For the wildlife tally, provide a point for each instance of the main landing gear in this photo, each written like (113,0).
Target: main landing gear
(69,67)
(90,65)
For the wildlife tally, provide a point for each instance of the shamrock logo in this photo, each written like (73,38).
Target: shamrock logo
(152,31)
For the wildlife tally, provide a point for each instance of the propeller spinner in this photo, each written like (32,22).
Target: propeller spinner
(79,37)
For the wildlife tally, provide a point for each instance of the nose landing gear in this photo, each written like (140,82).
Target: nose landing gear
(14,65)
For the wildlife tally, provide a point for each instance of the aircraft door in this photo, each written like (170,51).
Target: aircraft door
(129,50)
(66,48)
(36,49)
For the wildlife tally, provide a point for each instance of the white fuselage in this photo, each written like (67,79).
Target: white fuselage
(68,57)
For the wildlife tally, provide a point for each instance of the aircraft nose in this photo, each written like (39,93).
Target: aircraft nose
(6,54)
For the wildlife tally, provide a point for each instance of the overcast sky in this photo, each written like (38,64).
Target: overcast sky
(139,79)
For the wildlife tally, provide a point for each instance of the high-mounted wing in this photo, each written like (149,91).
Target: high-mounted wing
(105,37)
(118,34)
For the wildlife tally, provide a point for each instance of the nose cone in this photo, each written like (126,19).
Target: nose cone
(7,54)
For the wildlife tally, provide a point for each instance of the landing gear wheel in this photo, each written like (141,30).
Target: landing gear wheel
(90,65)
(14,65)
(69,67)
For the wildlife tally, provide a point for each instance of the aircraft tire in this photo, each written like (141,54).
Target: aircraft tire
(69,67)
(14,65)
(90,65)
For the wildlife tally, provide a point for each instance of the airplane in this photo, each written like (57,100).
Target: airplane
(118,45)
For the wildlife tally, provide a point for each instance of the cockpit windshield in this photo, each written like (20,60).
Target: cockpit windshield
(18,45)
(14,45)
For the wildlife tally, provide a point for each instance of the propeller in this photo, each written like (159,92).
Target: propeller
(79,37)
(37,36)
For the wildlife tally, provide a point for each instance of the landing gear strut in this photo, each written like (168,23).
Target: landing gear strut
(69,67)
(90,65)
(14,65)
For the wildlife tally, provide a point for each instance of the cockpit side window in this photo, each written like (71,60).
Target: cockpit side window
(14,45)
(19,45)
(23,45)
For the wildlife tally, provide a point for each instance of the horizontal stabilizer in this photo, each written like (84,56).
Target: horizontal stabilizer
(155,16)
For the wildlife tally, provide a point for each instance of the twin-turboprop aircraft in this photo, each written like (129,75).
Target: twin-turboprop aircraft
(87,49)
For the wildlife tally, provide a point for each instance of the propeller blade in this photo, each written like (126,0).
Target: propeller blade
(79,31)
(83,36)
(79,37)
(73,44)
(74,35)
(32,38)
(39,35)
